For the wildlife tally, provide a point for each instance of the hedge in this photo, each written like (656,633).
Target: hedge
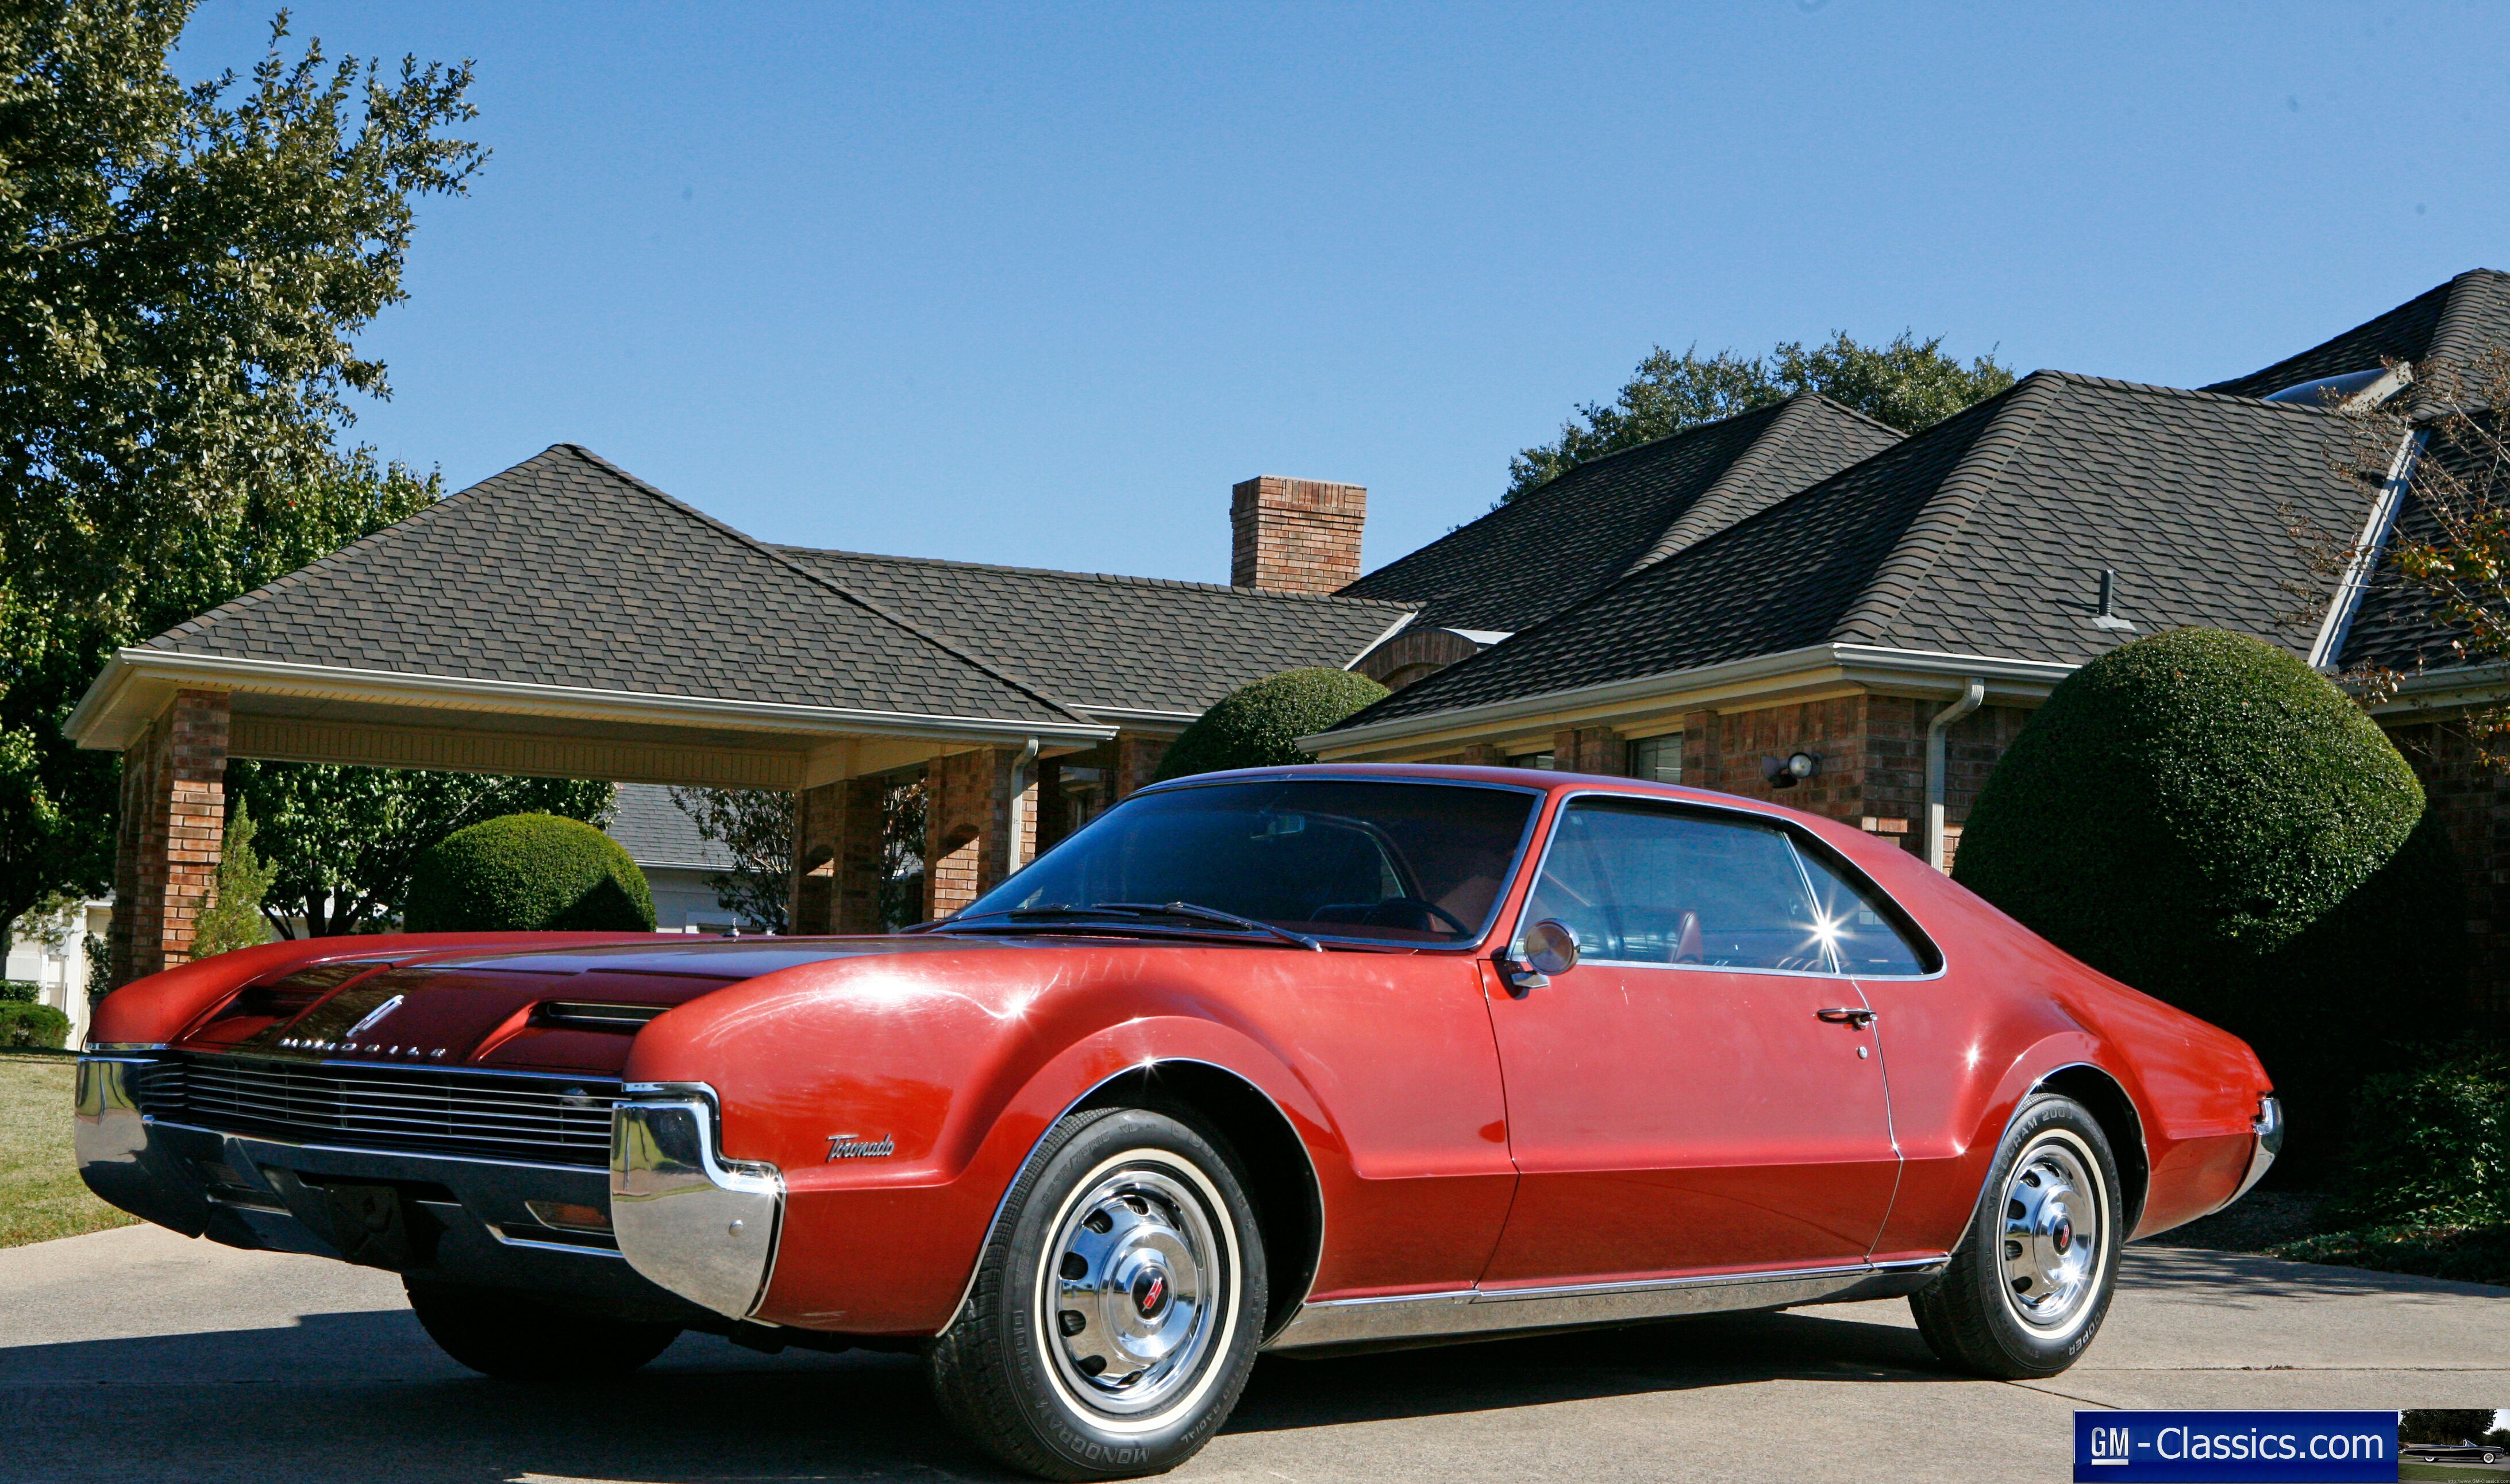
(18,991)
(527,873)
(2203,816)
(32,1025)
(1259,725)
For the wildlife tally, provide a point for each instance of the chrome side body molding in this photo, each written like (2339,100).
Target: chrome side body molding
(702,1227)
(1401,1318)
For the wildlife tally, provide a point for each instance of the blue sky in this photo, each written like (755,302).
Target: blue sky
(1037,285)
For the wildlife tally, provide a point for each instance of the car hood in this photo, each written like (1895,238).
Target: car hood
(573,1008)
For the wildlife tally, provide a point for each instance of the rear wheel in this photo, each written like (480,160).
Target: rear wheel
(514,1337)
(1117,1307)
(2031,1283)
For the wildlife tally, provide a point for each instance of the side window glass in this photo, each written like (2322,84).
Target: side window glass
(1864,932)
(1642,884)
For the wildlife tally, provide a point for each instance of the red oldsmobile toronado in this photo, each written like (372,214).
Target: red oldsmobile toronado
(1297,1059)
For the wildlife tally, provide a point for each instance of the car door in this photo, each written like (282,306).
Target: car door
(1704,1089)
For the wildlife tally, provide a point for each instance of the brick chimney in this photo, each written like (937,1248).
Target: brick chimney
(1295,535)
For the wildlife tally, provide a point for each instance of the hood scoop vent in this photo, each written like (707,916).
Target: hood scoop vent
(595,1015)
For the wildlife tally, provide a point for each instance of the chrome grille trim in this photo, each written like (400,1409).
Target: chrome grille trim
(530,1117)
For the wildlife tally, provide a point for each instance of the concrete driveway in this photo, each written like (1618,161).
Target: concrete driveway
(139,1355)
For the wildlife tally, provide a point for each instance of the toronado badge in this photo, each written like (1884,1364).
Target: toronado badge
(846,1146)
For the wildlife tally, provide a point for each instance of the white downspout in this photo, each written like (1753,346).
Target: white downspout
(1970,700)
(1022,771)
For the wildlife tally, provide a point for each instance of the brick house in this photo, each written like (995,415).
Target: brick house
(1795,603)
(1886,626)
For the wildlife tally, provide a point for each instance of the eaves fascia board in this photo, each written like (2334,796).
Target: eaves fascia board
(2008,679)
(2459,685)
(93,724)
(1402,621)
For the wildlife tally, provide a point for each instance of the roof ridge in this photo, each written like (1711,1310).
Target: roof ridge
(994,667)
(1230,588)
(305,573)
(2197,393)
(1527,506)
(1941,516)
(1678,432)
(2456,322)
(1792,414)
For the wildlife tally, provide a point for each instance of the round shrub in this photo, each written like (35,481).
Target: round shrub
(527,873)
(2184,801)
(32,1025)
(1259,725)
(2204,816)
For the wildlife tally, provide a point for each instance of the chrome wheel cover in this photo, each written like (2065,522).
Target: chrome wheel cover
(2053,1233)
(1135,1288)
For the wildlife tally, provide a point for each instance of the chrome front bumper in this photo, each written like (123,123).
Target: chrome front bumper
(703,1227)
(467,1220)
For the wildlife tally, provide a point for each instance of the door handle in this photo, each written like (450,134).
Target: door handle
(1855,1015)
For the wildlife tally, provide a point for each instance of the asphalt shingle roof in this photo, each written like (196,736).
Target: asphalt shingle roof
(1119,642)
(2449,325)
(1984,534)
(1557,545)
(658,833)
(566,570)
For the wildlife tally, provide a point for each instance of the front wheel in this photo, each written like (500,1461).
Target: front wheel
(514,1337)
(1116,1306)
(2029,1286)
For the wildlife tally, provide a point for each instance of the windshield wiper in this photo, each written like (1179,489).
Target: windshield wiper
(1211,915)
(1184,909)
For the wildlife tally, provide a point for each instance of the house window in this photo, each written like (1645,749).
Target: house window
(1658,759)
(1541,760)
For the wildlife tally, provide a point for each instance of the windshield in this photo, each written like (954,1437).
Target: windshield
(1401,862)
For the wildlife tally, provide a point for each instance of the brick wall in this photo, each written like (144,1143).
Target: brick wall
(1137,762)
(172,832)
(1295,535)
(967,822)
(1415,654)
(1591,749)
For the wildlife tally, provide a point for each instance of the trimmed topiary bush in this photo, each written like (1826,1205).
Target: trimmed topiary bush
(1259,725)
(32,1025)
(2201,815)
(527,873)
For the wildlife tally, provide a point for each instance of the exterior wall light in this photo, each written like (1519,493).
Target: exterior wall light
(1789,771)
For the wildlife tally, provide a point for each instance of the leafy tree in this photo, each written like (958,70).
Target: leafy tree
(183,271)
(2444,1424)
(342,840)
(1907,383)
(234,918)
(756,825)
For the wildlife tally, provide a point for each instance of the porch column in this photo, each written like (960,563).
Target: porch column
(979,824)
(836,858)
(171,829)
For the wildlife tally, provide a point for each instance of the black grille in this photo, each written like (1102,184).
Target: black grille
(544,1120)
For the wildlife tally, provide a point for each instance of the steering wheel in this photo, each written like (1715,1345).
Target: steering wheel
(1374,919)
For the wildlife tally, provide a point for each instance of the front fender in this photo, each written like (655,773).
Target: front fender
(899,1104)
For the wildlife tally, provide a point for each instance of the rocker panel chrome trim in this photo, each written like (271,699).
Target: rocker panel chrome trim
(1377,1319)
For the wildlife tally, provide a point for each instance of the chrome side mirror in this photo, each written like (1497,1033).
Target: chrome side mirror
(1548,947)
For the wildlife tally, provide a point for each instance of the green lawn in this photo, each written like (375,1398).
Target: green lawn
(40,1193)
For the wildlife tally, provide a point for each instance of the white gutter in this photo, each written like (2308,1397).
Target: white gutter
(2367,551)
(86,724)
(1971,699)
(1864,663)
